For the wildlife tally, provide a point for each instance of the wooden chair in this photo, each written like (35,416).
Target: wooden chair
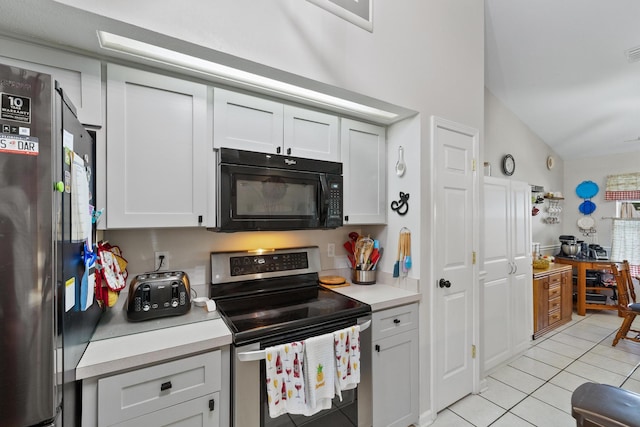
(628,309)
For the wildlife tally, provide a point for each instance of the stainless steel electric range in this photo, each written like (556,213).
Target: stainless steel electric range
(270,297)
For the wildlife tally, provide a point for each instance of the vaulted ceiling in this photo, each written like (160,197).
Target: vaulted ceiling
(562,68)
(559,65)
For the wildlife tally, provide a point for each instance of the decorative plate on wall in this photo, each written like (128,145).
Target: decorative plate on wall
(587,207)
(550,162)
(587,189)
(586,223)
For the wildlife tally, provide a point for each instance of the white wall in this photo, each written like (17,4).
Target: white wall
(506,133)
(594,169)
(426,55)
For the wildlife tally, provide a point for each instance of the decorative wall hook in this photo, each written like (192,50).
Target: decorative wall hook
(401,206)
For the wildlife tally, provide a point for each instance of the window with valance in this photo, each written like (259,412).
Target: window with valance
(625,236)
(623,187)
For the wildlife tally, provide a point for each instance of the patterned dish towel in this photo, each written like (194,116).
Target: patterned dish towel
(285,379)
(347,353)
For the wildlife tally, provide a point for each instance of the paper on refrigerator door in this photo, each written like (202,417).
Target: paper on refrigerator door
(69,294)
(80,210)
(88,283)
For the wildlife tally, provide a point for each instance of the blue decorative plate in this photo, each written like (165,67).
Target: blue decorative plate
(587,207)
(587,189)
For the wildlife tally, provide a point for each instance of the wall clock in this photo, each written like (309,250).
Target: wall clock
(508,165)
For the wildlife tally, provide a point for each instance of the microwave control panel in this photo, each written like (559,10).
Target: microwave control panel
(334,201)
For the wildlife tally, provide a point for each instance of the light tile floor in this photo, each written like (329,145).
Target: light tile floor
(535,388)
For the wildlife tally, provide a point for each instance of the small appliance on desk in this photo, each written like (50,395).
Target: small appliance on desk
(158,294)
(597,252)
(569,246)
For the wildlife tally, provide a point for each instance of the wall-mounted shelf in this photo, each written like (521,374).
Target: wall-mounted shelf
(553,210)
(537,199)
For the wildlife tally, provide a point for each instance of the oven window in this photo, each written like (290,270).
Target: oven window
(341,414)
(275,196)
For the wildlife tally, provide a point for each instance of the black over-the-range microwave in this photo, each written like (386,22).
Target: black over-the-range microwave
(260,191)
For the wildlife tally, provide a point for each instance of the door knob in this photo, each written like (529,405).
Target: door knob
(444,283)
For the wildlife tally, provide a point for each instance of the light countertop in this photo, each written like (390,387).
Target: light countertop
(379,296)
(126,352)
(118,345)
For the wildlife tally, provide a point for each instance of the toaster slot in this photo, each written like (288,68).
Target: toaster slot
(146,297)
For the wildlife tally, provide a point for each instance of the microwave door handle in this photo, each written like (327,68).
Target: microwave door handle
(324,209)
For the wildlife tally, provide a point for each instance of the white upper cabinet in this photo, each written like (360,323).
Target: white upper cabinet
(79,77)
(156,150)
(246,122)
(311,134)
(250,123)
(363,148)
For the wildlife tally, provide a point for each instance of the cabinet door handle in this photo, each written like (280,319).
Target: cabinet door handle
(165,386)
(377,348)
(289,151)
(396,321)
(278,150)
(212,405)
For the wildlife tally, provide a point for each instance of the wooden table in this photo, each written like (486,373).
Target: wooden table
(582,265)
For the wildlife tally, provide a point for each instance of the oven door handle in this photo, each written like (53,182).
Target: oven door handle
(252,356)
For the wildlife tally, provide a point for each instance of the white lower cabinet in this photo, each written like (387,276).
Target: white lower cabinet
(182,392)
(201,412)
(395,366)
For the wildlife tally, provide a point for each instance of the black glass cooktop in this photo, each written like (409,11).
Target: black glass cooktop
(254,318)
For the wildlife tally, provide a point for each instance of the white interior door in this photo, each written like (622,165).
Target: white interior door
(455,240)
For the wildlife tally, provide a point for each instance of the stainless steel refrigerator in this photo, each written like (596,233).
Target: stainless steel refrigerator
(46,315)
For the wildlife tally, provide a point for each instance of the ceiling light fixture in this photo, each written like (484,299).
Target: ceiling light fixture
(162,55)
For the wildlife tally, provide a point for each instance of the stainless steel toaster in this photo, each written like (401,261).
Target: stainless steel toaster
(158,294)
